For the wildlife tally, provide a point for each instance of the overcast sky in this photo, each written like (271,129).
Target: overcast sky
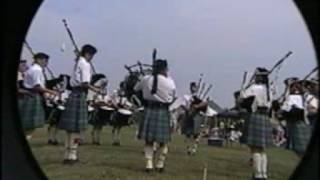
(220,39)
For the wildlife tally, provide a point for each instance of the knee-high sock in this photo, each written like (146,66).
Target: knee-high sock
(264,165)
(73,146)
(93,135)
(113,135)
(257,165)
(148,152)
(50,136)
(118,135)
(162,156)
(54,133)
(98,132)
(67,146)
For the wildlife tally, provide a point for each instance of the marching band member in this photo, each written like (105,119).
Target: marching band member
(299,129)
(32,107)
(311,90)
(258,132)
(55,115)
(192,122)
(121,117)
(100,116)
(158,92)
(75,117)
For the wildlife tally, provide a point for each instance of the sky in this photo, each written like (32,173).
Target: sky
(220,39)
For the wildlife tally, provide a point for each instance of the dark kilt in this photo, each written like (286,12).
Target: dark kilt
(258,130)
(155,126)
(192,125)
(299,135)
(117,120)
(31,111)
(54,116)
(100,118)
(75,117)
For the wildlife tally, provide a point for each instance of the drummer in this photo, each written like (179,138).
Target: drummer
(103,108)
(123,115)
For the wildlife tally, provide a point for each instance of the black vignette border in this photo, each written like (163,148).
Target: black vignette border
(17,159)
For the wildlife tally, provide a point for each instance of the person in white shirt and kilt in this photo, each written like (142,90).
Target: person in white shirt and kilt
(293,110)
(31,106)
(258,130)
(311,95)
(193,120)
(74,118)
(100,117)
(122,116)
(158,92)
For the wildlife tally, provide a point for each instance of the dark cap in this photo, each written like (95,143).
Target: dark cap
(291,80)
(261,71)
(88,48)
(160,65)
(41,55)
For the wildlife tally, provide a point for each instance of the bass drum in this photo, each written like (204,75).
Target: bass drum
(121,118)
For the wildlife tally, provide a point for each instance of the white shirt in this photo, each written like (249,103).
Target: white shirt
(259,91)
(82,73)
(34,76)
(166,89)
(293,100)
(311,100)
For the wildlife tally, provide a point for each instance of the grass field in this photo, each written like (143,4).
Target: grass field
(127,161)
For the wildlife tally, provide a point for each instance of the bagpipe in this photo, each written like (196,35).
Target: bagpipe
(199,97)
(246,103)
(60,84)
(135,73)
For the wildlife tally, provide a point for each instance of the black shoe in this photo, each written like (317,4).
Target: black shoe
(116,144)
(55,143)
(160,170)
(147,170)
(70,161)
(50,141)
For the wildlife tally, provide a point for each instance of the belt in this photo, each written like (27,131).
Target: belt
(262,109)
(79,89)
(156,104)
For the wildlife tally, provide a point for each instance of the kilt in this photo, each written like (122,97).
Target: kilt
(117,120)
(257,130)
(192,126)
(299,135)
(54,116)
(155,126)
(100,118)
(31,111)
(75,117)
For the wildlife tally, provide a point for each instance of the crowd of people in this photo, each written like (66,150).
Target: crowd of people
(71,102)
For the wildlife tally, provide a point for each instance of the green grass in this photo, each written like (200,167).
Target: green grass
(127,162)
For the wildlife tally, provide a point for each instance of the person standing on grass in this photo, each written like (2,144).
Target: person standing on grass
(192,122)
(159,92)
(31,104)
(293,110)
(258,132)
(74,119)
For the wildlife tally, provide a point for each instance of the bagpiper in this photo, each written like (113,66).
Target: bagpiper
(258,131)
(74,119)
(158,92)
(32,106)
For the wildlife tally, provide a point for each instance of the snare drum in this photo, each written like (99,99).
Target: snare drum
(121,118)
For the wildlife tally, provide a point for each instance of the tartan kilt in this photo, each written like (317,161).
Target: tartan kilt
(300,134)
(117,120)
(54,116)
(31,111)
(99,118)
(155,126)
(258,130)
(75,117)
(192,126)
